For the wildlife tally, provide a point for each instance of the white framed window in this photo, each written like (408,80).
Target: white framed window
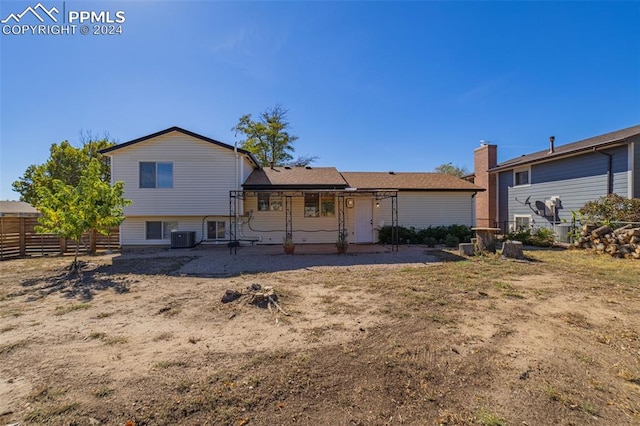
(263,202)
(156,175)
(269,202)
(160,230)
(316,205)
(216,230)
(521,221)
(311,205)
(327,205)
(522,176)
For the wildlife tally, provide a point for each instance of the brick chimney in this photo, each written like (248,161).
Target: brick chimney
(485,158)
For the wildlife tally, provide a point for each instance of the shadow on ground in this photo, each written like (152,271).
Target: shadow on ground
(79,284)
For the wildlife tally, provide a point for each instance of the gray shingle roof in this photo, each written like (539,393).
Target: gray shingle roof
(611,138)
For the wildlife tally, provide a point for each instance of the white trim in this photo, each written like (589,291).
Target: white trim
(522,169)
(516,216)
(630,170)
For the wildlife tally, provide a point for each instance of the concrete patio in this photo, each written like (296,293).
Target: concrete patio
(219,260)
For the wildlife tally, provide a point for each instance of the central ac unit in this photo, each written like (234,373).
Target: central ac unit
(183,239)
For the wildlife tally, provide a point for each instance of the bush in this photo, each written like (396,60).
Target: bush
(430,241)
(428,236)
(541,237)
(612,208)
(451,240)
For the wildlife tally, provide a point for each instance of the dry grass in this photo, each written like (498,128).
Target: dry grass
(463,342)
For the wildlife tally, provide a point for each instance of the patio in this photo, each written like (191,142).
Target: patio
(215,260)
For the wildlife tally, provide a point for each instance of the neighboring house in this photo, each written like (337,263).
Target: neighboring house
(17,209)
(543,188)
(179,180)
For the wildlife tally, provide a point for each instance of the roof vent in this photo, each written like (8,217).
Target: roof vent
(392,173)
(552,149)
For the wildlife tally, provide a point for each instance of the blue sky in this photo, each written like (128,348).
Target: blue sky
(371,86)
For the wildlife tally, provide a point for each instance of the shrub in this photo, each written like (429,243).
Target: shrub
(451,240)
(429,236)
(541,237)
(430,241)
(612,208)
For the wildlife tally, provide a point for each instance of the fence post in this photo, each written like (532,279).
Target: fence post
(63,245)
(93,236)
(23,237)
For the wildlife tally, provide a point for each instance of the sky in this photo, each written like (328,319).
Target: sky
(369,86)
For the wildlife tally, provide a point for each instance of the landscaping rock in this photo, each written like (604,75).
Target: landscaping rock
(230,296)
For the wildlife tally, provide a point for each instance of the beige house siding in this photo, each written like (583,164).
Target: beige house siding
(203,174)
(133,229)
(419,209)
(268,227)
(422,209)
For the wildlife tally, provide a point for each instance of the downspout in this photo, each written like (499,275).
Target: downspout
(609,171)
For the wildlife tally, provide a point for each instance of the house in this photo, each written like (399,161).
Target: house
(179,180)
(545,187)
(324,200)
(17,209)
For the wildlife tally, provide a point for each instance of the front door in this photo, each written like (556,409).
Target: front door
(364,220)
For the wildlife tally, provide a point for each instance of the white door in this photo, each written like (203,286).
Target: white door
(364,220)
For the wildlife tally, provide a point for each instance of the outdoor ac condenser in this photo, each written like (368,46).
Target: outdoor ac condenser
(183,239)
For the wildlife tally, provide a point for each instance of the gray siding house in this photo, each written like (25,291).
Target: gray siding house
(543,188)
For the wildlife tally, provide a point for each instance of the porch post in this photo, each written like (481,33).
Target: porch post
(288,216)
(341,222)
(394,222)
(233,223)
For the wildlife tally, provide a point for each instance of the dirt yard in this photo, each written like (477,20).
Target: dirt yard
(551,341)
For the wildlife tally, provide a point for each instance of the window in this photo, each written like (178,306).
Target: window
(327,206)
(521,177)
(158,230)
(216,230)
(156,175)
(275,204)
(268,202)
(522,222)
(311,205)
(263,202)
(316,205)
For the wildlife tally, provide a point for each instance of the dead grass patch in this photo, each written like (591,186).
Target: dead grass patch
(63,310)
(10,347)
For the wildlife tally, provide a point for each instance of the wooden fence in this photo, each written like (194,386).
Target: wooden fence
(18,238)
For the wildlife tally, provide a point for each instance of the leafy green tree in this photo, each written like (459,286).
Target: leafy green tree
(450,169)
(268,138)
(69,211)
(66,164)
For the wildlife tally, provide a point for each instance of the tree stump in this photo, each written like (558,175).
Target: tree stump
(466,249)
(512,250)
(486,239)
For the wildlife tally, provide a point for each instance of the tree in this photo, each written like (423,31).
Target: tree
(268,138)
(69,211)
(66,164)
(450,169)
